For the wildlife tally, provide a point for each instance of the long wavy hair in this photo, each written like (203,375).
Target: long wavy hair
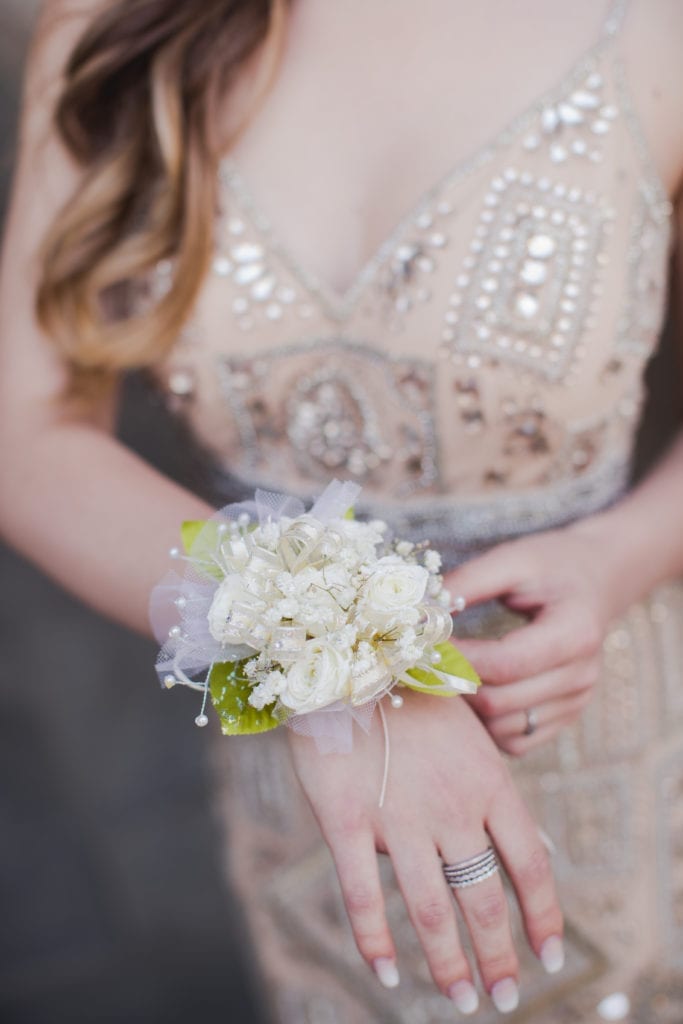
(141,111)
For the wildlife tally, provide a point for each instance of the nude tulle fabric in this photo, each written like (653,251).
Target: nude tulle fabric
(482,378)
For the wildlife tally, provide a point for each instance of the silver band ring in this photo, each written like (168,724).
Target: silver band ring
(531,722)
(471,871)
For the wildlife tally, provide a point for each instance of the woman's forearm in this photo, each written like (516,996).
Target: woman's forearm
(93,516)
(641,538)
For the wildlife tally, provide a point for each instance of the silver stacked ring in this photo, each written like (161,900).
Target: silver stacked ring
(472,871)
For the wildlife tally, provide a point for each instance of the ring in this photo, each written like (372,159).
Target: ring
(531,722)
(471,871)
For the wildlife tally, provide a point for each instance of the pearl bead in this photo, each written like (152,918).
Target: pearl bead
(569,114)
(459,603)
(169,681)
(180,602)
(222,266)
(527,305)
(174,632)
(181,383)
(246,252)
(435,657)
(533,272)
(549,120)
(174,552)
(201,720)
(541,246)
(584,100)
(396,700)
(248,273)
(263,289)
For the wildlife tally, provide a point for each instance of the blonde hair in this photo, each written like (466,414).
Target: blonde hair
(140,111)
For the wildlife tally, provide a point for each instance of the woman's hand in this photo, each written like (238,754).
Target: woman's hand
(567,583)
(448,792)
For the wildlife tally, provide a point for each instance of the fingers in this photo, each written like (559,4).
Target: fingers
(568,680)
(510,734)
(551,640)
(355,858)
(489,575)
(560,711)
(420,877)
(519,844)
(485,909)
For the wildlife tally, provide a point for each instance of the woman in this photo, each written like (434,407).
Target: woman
(481,376)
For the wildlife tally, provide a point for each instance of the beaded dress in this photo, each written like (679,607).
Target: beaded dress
(482,378)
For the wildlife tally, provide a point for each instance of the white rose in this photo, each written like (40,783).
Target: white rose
(320,676)
(392,592)
(230,592)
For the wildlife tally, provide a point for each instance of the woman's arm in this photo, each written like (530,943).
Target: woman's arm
(92,514)
(100,521)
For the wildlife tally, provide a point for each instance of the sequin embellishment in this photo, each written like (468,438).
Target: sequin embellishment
(345,408)
(574,125)
(525,292)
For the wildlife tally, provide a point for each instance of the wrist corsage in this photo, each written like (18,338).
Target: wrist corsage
(304,618)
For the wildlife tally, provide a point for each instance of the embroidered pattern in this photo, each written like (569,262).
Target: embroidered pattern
(575,124)
(535,262)
(345,408)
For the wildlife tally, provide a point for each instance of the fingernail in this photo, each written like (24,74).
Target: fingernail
(505,995)
(547,841)
(387,971)
(465,997)
(552,954)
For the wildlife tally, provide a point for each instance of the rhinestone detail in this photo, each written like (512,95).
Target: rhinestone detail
(554,239)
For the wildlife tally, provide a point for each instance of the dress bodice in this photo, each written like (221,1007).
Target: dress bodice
(483,374)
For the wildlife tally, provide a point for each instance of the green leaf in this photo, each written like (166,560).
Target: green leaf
(229,695)
(452,663)
(455,663)
(190,532)
(201,540)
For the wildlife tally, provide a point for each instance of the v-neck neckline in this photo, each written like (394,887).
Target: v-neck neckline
(341,304)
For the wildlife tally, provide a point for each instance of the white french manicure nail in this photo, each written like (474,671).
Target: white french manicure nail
(387,971)
(552,954)
(547,841)
(505,995)
(465,997)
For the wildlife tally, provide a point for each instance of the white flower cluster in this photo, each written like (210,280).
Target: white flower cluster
(331,611)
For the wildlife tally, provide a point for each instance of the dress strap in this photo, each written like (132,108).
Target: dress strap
(616,15)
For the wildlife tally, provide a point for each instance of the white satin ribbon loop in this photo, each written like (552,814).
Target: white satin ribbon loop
(287,643)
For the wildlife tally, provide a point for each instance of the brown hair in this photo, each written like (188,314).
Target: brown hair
(140,111)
